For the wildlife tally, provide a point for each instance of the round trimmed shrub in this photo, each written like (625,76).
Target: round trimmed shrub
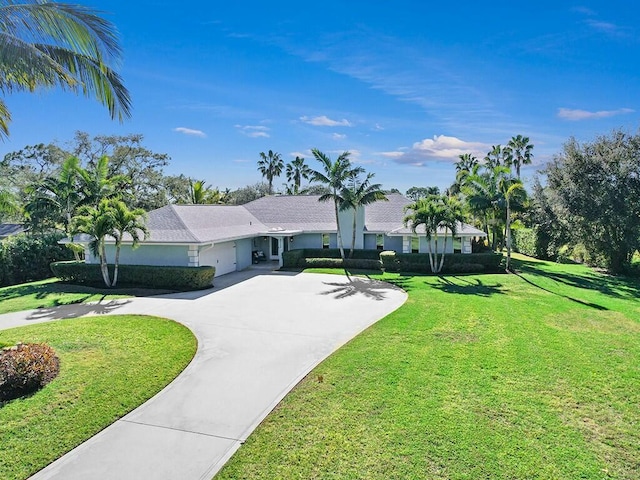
(26,368)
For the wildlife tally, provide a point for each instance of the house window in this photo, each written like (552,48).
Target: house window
(415,244)
(380,241)
(457,244)
(325,240)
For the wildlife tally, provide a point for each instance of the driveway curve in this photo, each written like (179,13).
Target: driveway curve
(259,333)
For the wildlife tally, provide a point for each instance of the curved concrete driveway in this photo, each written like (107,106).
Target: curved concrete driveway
(258,335)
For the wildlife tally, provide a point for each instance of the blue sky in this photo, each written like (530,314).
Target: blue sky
(405,86)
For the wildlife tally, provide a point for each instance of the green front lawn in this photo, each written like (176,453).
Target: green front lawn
(53,293)
(108,366)
(535,375)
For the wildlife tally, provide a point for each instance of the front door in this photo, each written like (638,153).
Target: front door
(274,248)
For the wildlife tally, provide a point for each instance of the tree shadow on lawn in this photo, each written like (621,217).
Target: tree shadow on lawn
(465,286)
(576,300)
(374,289)
(612,286)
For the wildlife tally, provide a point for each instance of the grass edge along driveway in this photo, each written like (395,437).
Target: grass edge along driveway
(109,365)
(532,375)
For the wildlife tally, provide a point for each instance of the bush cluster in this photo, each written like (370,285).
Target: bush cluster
(26,257)
(355,263)
(26,368)
(139,276)
(453,262)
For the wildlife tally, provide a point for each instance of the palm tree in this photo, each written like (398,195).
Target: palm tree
(270,166)
(334,176)
(496,156)
(359,193)
(98,222)
(46,44)
(466,163)
(519,152)
(429,213)
(126,221)
(8,204)
(296,171)
(56,198)
(97,183)
(508,187)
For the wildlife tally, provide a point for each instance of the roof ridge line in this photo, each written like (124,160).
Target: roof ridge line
(193,236)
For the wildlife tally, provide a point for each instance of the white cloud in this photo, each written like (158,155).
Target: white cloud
(576,115)
(438,148)
(338,136)
(190,132)
(254,131)
(324,121)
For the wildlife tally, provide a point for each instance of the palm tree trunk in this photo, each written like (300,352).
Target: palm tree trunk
(116,262)
(353,238)
(103,265)
(431,263)
(508,228)
(444,249)
(339,234)
(435,244)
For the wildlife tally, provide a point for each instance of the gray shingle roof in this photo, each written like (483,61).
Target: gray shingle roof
(8,229)
(201,224)
(218,223)
(463,229)
(294,212)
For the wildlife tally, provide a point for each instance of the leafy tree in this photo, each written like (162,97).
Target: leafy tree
(296,170)
(518,153)
(433,213)
(141,169)
(334,175)
(47,44)
(125,221)
(270,166)
(359,193)
(415,193)
(248,194)
(596,188)
(8,204)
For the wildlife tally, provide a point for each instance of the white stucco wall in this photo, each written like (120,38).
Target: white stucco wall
(307,240)
(243,253)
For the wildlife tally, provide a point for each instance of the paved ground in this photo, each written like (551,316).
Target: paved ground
(259,333)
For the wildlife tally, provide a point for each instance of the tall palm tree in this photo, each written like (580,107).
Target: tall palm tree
(452,217)
(519,152)
(496,156)
(359,193)
(270,166)
(56,198)
(297,170)
(97,183)
(334,175)
(98,222)
(466,162)
(126,221)
(46,44)
(509,187)
(429,213)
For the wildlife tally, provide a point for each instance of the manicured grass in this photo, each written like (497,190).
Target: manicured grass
(52,293)
(108,366)
(534,375)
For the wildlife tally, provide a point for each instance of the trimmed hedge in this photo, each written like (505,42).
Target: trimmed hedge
(26,257)
(453,262)
(26,368)
(391,261)
(144,276)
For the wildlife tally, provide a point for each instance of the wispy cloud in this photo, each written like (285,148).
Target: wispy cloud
(254,131)
(438,148)
(608,28)
(324,121)
(338,136)
(190,131)
(576,114)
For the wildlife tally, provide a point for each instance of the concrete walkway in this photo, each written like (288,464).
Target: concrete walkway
(259,333)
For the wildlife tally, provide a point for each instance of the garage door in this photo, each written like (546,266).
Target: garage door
(222,256)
